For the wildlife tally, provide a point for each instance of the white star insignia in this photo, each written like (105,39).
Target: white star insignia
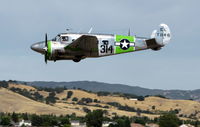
(124,44)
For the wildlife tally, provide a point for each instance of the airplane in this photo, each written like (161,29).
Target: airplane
(78,46)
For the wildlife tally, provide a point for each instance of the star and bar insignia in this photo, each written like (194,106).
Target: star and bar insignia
(124,44)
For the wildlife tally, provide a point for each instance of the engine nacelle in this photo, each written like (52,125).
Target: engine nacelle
(53,48)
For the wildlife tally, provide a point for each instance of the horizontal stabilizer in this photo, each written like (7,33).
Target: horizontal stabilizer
(152,44)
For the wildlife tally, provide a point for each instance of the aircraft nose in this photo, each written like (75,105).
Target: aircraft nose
(38,47)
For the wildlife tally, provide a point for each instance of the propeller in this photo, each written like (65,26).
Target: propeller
(46,48)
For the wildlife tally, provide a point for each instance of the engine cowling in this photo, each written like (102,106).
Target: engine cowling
(53,48)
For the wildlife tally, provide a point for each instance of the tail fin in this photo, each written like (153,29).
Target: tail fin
(162,35)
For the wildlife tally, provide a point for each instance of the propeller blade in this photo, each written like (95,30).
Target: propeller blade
(45,57)
(46,39)
(46,47)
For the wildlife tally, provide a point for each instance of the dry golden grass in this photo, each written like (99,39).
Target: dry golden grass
(77,93)
(29,88)
(110,110)
(186,106)
(43,93)
(13,102)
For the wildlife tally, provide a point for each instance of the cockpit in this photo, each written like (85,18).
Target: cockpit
(61,38)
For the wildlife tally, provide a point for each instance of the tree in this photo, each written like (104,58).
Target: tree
(5,120)
(66,125)
(69,94)
(38,97)
(95,100)
(123,122)
(138,112)
(113,125)
(153,107)
(15,117)
(51,98)
(64,121)
(140,98)
(75,99)
(49,120)
(196,123)
(127,122)
(4,84)
(52,94)
(168,120)
(25,116)
(44,120)
(86,110)
(140,120)
(36,120)
(86,100)
(94,119)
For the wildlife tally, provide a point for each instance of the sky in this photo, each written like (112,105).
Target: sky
(176,66)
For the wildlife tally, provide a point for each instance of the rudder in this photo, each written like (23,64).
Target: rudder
(162,35)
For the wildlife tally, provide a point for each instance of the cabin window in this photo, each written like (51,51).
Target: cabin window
(64,38)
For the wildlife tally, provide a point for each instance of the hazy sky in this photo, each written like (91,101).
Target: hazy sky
(176,66)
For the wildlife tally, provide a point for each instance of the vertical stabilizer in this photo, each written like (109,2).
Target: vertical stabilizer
(162,35)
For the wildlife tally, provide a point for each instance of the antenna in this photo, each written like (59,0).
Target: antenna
(90,30)
(129,32)
(68,30)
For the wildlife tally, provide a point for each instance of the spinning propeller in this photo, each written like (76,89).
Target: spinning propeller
(46,49)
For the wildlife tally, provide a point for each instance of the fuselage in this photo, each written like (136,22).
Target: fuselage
(77,46)
(108,44)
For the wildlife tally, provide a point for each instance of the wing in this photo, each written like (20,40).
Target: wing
(152,44)
(84,45)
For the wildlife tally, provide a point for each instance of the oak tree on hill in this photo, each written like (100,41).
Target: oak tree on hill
(69,94)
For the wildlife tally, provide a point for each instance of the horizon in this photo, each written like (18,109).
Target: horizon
(102,82)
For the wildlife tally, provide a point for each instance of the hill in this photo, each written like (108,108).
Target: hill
(159,104)
(99,86)
(13,102)
(22,98)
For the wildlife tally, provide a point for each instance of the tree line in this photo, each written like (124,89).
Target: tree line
(92,119)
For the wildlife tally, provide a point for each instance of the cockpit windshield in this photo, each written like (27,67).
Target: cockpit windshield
(60,38)
(57,38)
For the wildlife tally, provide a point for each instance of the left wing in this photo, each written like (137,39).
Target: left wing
(85,43)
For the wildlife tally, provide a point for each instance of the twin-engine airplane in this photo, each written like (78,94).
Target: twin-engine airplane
(75,46)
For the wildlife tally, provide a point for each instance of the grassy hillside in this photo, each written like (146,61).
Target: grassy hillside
(100,86)
(80,102)
(13,102)
(153,104)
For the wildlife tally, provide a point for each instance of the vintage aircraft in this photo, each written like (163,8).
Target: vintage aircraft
(76,46)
